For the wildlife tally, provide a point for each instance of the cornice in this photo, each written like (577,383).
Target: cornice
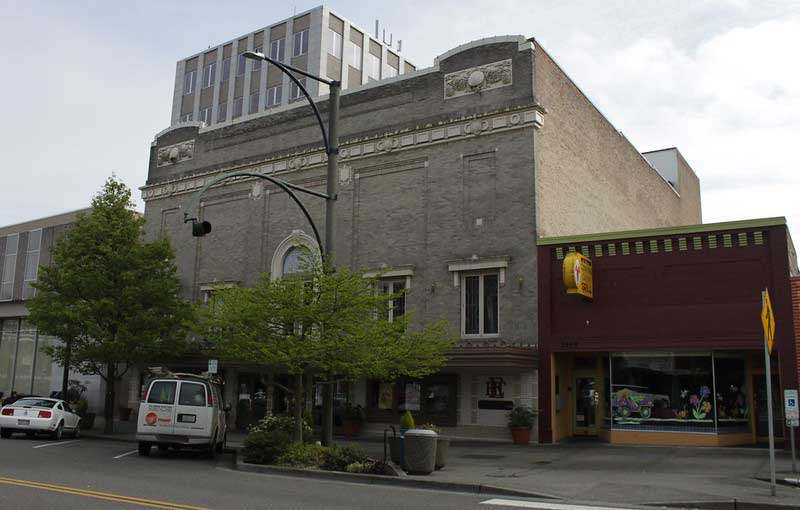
(454,129)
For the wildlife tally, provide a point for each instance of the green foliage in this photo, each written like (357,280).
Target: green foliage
(113,297)
(303,455)
(354,413)
(81,407)
(281,424)
(339,457)
(359,467)
(407,421)
(265,446)
(521,417)
(430,426)
(329,323)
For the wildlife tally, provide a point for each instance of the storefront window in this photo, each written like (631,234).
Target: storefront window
(44,366)
(26,350)
(733,413)
(8,350)
(662,392)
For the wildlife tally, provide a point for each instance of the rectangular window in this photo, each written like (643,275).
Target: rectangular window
(9,268)
(226,69)
(192,394)
(373,67)
(186,117)
(391,72)
(205,116)
(237,107)
(209,74)
(257,63)
(357,53)
(397,306)
(274,96)
(32,263)
(336,44)
(222,112)
(480,304)
(300,43)
(26,351)
(276,49)
(253,107)
(189,82)
(296,93)
(240,65)
(8,352)
(162,392)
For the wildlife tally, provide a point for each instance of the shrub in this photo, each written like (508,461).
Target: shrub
(265,446)
(284,424)
(431,426)
(407,421)
(359,467)
(521,417)
(339,457)
(303,455)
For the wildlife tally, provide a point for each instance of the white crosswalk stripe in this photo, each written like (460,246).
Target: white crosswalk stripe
(543,505)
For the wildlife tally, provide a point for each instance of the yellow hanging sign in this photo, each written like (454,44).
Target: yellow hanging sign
(768,320)
(577,271)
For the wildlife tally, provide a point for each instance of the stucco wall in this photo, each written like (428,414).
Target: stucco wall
(589,177)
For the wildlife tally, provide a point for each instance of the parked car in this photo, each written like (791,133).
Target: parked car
(14,397)
(33,415)
(182,410)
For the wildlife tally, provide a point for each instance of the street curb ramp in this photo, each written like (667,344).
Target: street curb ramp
(399,481)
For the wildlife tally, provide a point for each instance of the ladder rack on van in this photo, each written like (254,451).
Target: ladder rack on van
(167,373)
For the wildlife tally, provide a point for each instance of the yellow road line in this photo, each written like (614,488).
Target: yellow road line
(99,495)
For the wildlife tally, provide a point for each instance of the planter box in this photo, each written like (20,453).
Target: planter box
(521,435)
(420,451)
(442,449)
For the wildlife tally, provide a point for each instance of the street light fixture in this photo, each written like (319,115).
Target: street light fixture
(330,138)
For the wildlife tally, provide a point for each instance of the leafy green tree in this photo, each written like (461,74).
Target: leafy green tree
(111,295)
(323,323)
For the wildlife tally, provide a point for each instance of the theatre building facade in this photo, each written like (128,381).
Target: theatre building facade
(447,176)
(669,350)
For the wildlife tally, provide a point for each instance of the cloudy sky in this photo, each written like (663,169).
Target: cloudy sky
(87,84)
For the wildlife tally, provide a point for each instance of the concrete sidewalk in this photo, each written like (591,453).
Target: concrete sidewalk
(596,471)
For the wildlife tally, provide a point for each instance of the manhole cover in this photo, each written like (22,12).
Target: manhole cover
(482,456)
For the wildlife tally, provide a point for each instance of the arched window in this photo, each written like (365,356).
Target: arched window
(293,261)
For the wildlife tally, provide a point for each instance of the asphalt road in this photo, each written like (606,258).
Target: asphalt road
(89,474)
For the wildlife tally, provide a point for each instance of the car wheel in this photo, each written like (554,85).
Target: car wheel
(163,447)
(221,445)
(58,432)
(144,449)
(6,433)
(212,449)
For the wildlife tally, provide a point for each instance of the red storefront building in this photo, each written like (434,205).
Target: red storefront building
(669,350)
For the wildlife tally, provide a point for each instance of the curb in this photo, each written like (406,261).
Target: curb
(400,481)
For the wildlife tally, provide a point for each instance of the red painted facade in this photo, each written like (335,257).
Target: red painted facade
(706,296)
(796,307)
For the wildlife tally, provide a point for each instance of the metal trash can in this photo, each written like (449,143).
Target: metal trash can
(420,451)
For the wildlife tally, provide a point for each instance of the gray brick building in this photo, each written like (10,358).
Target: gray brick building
(448,175)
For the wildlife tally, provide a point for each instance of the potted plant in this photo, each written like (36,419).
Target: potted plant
(420,451)
(442,445)
(353,418)
(520,421)
(81,408)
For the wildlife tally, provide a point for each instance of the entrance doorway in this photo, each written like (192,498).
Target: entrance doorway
(587,400)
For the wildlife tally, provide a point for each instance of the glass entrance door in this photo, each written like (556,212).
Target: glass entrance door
(586,402)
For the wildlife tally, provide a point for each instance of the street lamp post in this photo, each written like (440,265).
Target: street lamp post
(330,138)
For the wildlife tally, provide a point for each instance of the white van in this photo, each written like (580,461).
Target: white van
(182,410)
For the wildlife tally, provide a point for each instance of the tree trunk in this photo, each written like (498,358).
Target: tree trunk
(65,374)
(327,412)
(108,411)
(298,408)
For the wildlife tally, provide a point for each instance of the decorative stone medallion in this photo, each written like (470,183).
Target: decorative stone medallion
(173,154)
(477,79)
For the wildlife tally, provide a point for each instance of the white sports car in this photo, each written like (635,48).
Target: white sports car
(31,415)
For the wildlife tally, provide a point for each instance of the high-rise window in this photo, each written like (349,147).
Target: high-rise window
(209,74)
(226,69)
(397,306)
(357,53)
(300,43)
(254,97)
(257,63)
(274,96)
(186,117)
(276,49)
(205,115)
(189,82)
(479,304)
(373,67)
(391,72)
(9,267)
(237,107)
(295,92)
(32,263)
(222,112)
(336,44)
(240,65)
